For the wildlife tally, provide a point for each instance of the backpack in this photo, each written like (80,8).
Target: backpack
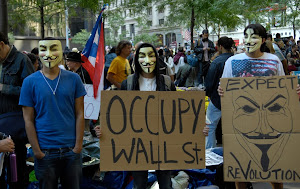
(162,66)
(192,60)
(130,82)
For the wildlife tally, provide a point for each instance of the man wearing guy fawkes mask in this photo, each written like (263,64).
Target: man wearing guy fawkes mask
(147,78)
(256,62)
(52,101)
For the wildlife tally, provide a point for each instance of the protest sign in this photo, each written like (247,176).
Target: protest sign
(91,105)
(152,130)
(260,124)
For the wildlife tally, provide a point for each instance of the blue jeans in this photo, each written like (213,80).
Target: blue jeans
(141,179)
(213,116)
(59,163)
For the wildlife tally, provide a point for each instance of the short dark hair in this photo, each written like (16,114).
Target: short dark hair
(35,51)
(205,31)
(226,42)
(277,35)
(121,45)
(180,49)
(258,30)
(269,36)
(160,52)
(4,38)
(32,57)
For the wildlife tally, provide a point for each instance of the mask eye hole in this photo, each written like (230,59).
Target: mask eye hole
(275,108)
(248,109)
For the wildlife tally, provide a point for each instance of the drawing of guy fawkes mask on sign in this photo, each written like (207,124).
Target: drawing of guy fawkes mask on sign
(258,125)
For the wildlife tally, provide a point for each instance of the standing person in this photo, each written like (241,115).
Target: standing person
(108,59)
(119,68)
(14,68)
(279,54)
(52,101)
(183,74)
(254,62)
(147,78)
(213,112)
(34,61)
(204,50)
(74,64)
(179,59)
(163,66)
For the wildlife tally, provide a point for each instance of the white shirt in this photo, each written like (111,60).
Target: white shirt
(180,63)
(147,84)
(241,65)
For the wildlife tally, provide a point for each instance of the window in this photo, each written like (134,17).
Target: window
(132,30)
(149,11)
(149,23)
(125,13)
(161,22)
(161,10)
(123,29)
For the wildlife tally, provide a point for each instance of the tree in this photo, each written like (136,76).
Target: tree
(152,39)
(81,37)
(293,13)
(46,12)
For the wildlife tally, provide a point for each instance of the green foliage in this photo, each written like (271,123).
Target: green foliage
(81,37)
(11,38)
(152,39)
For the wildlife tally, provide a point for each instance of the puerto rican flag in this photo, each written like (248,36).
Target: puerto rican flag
(93,55)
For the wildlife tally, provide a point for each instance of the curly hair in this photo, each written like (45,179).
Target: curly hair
(121,45)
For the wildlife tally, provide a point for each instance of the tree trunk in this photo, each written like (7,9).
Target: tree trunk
(42,19)
(3,17)
(206,22)
(192,27)
(294,29)
(219,30)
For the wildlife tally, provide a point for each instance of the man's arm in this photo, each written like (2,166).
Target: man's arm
(110,78)
(285,66)
(28,114)
(26,71)
(79,114)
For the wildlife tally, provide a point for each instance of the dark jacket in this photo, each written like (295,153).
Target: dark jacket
(213,76)
(15,69)
(182,75)
(84,75)
(199,50)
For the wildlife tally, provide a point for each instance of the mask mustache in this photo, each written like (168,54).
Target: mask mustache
(147,64)
(49,58)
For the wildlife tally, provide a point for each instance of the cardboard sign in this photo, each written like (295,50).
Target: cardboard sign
(152,130)
(91,105)
(260,122)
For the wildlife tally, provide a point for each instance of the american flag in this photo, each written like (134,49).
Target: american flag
(187,35)
(254,67)
(93,55)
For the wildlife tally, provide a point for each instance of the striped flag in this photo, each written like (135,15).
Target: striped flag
(93,55)
(187,35)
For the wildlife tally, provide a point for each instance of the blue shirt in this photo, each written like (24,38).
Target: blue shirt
(109,58)
(55,121)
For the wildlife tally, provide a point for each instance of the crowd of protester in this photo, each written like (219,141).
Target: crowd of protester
(200,67)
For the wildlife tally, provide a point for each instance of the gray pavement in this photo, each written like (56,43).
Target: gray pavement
(260,185)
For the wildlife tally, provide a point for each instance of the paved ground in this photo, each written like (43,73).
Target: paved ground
(268,186)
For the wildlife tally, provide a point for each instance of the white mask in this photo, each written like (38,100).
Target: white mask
(253,41)
(147,59)
(50,52)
